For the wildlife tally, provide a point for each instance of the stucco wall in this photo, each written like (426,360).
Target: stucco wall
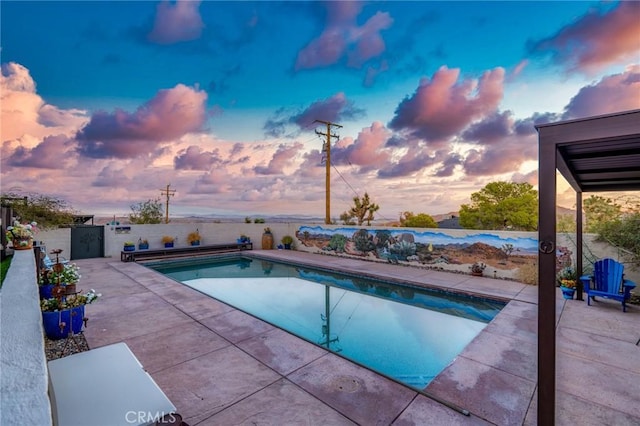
(24,380)
(214,233)
(56,239)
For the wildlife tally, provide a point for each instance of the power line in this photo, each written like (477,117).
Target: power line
(345,181)
(355,192)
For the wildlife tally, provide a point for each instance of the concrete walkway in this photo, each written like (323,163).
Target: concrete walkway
(220,366)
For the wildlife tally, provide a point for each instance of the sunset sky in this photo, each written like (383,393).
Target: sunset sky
(106,103)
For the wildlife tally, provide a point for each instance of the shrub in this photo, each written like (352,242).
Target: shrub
(528,273)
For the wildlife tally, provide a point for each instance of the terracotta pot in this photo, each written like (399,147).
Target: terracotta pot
(267,241)
(23,244)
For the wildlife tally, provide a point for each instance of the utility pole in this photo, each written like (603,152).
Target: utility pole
(327,149)
(169,193)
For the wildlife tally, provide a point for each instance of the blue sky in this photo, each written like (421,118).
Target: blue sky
(106,102)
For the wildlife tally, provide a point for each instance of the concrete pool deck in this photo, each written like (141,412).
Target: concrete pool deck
(220,366)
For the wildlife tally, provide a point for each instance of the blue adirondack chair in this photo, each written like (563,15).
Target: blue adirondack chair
(607,281)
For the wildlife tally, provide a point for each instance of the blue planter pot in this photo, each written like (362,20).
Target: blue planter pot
(72,319)
(195,243)
(143,246)
(45,291)
(168,245)
(568,293)
(129,248)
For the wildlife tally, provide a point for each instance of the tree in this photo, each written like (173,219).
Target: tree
(46,210)
(599,210)
(149,211)
(621,230)
(421,220)
(347,219)
(362,211)
(566,223)
(502,205)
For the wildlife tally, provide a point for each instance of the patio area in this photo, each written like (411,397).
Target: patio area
(221,366)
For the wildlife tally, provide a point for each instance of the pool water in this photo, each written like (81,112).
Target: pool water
(403,332)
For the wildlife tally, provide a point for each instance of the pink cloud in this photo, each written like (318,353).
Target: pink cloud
(415,159)
(25,113)
(373,72)
(312,166)
(171,114)
(324,51)
(618,92)
(195,158)
(342,37)
(490,130)
(335,108)
(505,157)
(442,106)
(282,158)
(517,70)
(17,78)
(176,22)
(370,43)
(111,176)
(531,178)
(51,153)
(502,145)
(597,39)
(213,182)
(367,151)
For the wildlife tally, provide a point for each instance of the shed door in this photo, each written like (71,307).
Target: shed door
(87,242)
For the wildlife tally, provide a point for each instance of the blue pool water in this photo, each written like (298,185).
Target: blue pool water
(406,333)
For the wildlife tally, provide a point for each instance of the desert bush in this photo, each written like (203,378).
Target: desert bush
(528,273)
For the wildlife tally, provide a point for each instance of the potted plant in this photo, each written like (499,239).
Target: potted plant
(568,280)
(267,239)
(168,241)
(287,240)
(65,276)
(21,235)
(129,246)
(477,269)
(243,239)
(143,244)
(64,315)
(194,238)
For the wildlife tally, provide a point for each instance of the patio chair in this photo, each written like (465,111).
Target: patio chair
(607,281)
(48,263)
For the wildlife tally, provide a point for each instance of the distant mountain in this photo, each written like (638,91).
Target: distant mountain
(443,216)
(284,218)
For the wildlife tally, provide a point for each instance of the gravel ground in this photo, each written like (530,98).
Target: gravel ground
(55,349)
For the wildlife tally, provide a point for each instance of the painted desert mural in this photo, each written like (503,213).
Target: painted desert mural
(503,256)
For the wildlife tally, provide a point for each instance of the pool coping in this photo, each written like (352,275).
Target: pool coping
(494,377)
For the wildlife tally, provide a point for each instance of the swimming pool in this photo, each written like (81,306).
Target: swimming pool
(407,333)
